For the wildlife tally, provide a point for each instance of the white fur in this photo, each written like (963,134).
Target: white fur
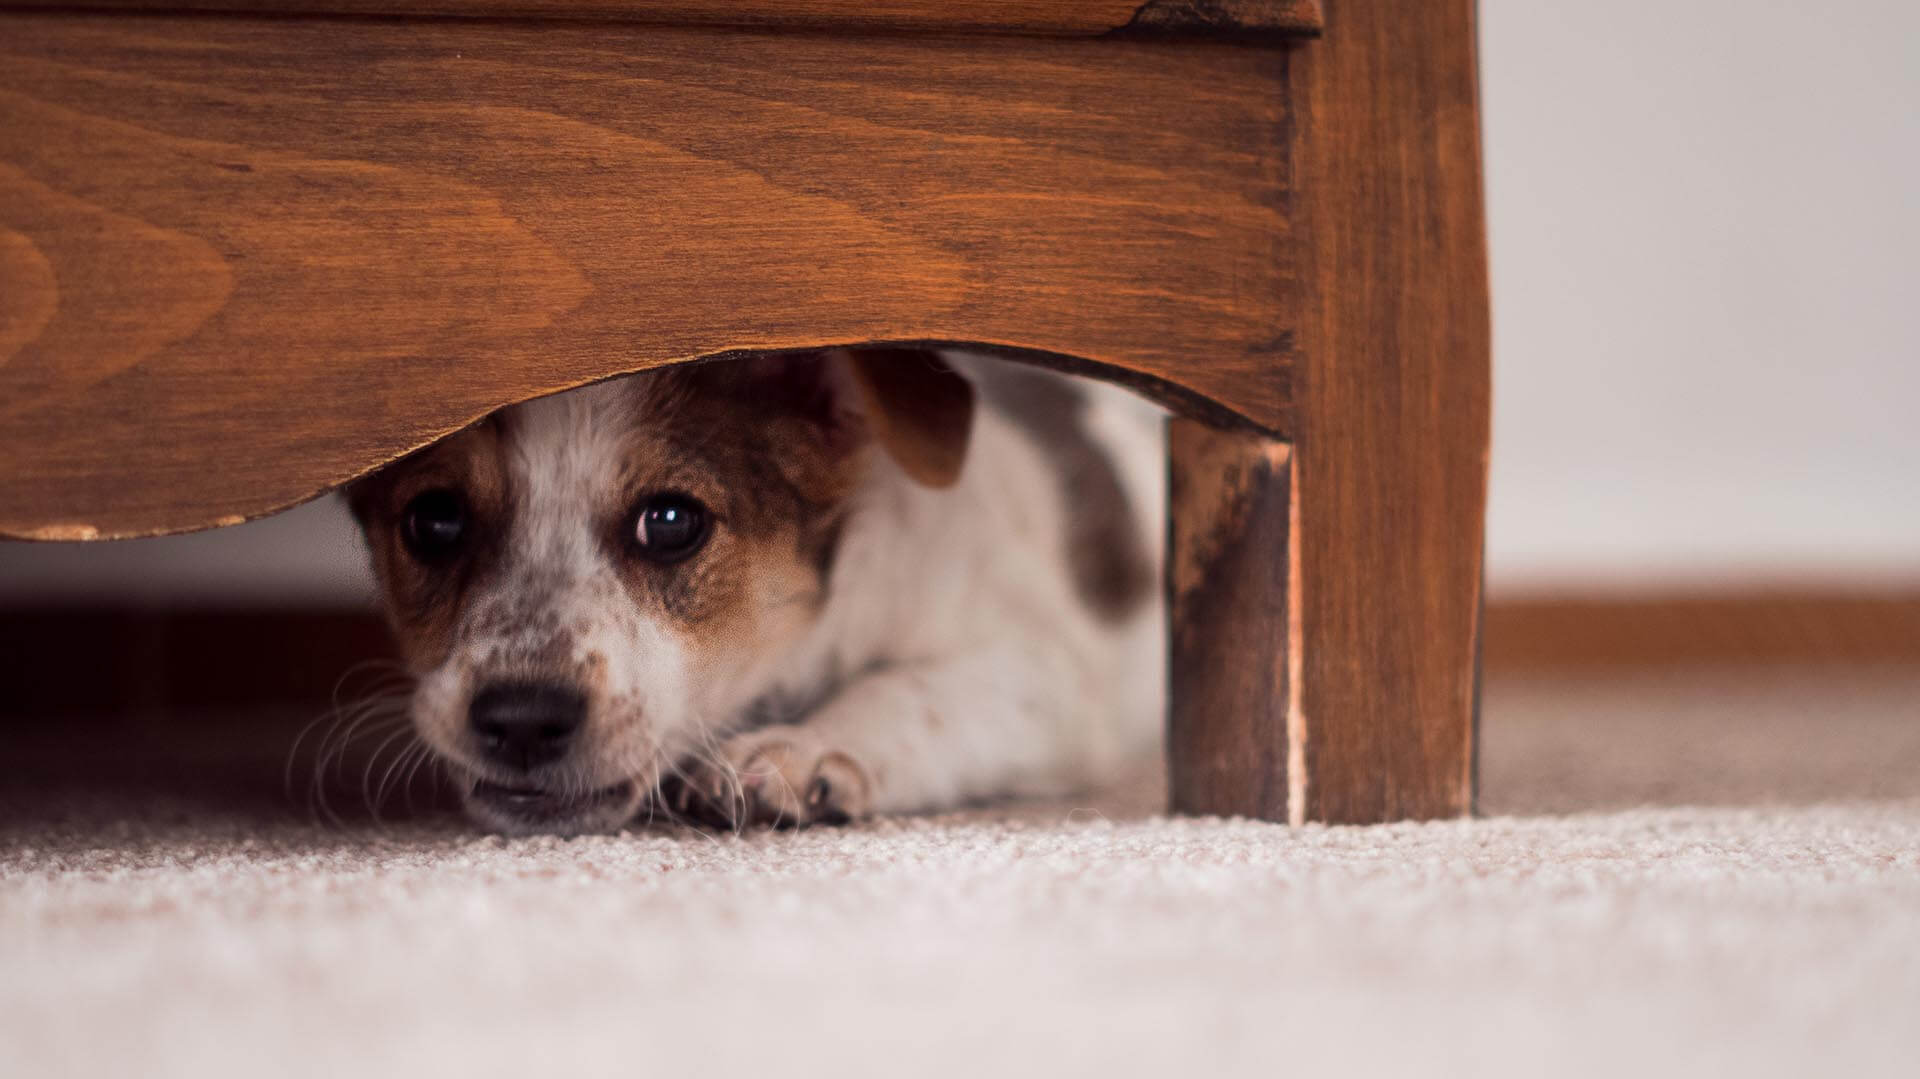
(562,451)
(967,666)
(990,677)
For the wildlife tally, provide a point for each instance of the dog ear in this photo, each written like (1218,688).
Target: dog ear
(916,407)
(908,401)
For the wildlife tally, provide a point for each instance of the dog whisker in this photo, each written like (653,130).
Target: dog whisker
(381,712)
(422,755)
(378,797)
(608,593)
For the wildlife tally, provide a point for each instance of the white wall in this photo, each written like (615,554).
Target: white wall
(1705,219)
(309,555)
(1706,227)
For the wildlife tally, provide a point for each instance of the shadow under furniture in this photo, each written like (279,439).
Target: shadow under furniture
(244,260)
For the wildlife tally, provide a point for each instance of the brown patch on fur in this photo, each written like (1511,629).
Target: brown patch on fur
(770,452)
(1105,552)
(920,409)
(424,602)
(772,446)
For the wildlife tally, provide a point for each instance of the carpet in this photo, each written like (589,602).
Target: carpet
(1707,873)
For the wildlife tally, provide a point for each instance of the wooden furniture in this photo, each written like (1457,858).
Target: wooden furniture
(244,259)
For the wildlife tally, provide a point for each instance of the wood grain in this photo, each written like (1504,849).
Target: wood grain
(1231,604)
(1587,635)
(1392,430)
(245,260)
(1241,18)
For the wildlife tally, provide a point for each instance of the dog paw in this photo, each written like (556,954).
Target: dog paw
(779,776)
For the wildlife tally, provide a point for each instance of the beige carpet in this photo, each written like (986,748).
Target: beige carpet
(1701,875)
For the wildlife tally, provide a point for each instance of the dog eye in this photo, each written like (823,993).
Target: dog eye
(434,524)
(669,527)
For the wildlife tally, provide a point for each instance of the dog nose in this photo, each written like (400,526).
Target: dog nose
(526,724)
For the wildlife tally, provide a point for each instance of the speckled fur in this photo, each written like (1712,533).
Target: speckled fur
(848,641)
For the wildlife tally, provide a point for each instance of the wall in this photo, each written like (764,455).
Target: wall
(1705,221)
(310,556)
(1705,216)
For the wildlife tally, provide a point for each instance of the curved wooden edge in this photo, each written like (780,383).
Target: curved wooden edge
(1171,18)
(233,274)
(1175,398)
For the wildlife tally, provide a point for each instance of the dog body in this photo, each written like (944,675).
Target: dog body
(771,591)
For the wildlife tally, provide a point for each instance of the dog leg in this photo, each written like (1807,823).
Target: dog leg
(912,738)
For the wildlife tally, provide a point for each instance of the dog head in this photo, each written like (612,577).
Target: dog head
(589,586)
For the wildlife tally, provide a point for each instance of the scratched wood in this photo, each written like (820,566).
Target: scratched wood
(1232,725)
(1080,17)
(1326,614)
(242,260)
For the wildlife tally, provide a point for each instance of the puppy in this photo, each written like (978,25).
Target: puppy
(787,590)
